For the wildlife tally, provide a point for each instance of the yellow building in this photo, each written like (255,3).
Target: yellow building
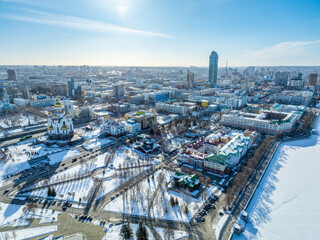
(146,119)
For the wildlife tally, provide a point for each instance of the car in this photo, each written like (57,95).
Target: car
(54,202)
(118,223)
(6,191)
(59,203)
(207,208)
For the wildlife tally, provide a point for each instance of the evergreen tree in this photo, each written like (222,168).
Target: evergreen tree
(177,202)
(172,202)
(53,192)
(142,233)
(126,232)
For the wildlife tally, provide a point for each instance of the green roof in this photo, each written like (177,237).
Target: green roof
(140,113)
(218,158)
(189,180)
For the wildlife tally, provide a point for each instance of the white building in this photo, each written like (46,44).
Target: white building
(181,109)
(132,126)
(267,121)
(113,128)
(60,124)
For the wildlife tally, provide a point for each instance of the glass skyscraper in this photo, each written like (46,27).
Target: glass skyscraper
(213,69)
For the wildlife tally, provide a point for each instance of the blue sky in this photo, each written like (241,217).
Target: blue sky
(160,32)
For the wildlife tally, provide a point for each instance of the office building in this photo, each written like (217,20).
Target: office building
(190,79)
(213,69)
(73,89)
(313,78)
(11,75)
(118,90)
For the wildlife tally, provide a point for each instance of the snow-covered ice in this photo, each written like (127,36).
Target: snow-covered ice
(286,203)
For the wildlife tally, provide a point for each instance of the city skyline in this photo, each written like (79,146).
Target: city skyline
(161,33)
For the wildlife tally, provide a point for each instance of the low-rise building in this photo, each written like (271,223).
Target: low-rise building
(132,126)
(271,122)
(113,128)
(145,118)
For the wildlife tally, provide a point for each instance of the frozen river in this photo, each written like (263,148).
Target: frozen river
(286,205)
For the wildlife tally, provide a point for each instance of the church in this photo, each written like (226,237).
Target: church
(60,125)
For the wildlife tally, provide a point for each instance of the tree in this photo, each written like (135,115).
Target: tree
(126,231)
(49,192)
(142,233)
(186,209)
(172,202)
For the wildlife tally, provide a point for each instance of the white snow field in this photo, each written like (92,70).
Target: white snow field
(286,203)
(113,233)
(137,200)
(28,232)
(16,215)
(70,191)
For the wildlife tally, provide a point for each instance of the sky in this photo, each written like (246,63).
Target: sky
(159,32)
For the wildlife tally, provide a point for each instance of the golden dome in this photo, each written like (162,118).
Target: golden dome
(50,128)
(58,104)
(64,127)
(50,113)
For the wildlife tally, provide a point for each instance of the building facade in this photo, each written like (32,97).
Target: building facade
(213,68)
(60,125)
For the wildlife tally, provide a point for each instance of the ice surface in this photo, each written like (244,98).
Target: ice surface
(286,203)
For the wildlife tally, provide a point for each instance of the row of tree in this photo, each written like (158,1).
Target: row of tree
(242,177)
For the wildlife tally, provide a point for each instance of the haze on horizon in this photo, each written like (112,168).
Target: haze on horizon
(159,32)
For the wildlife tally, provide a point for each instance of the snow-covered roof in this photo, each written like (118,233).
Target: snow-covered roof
(61,156)
(98,143)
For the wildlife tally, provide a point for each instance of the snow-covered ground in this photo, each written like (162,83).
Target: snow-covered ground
(88,134)
(173,234)
(71,191)
(127,157)
(218,226)
(19,120)
(16,215)
(28,232)
(113,233)
(286,203)
(137,200)
(120,178)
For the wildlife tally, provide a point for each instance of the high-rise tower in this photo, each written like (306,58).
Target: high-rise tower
(213,69)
